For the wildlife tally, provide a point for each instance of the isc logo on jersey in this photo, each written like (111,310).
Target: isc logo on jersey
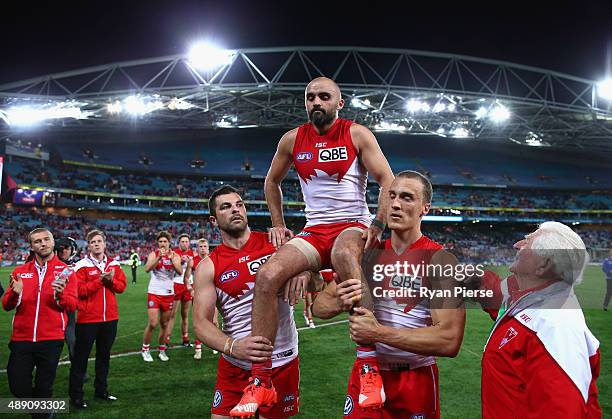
(254,265)
(332,154)
(303,156)
(229,275)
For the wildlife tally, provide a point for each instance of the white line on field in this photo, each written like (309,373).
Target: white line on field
(184,347)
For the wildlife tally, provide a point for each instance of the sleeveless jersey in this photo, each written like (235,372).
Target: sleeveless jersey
(161,277)
(332,178)
(234,277)
(189,253)
(404,312)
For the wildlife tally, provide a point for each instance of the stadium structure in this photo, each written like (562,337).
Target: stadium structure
(138,145)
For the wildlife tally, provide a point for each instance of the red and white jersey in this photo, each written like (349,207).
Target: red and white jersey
(410,312)
(235,271)
(162,275)
(333,179)
(188,254)
(541,359)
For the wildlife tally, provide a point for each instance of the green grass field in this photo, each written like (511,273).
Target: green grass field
(184,387)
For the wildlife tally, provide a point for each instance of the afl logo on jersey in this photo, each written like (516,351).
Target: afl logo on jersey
(254,265)
(217,399)
(229,275)
(303,156)
(332,154)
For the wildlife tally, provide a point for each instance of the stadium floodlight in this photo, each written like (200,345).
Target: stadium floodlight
(207,56)
(441,130)
(24,116)
(389,126)
(481,112)
(414,106)
(604,89)
(176,104)
(439,107)
(451,107)
(360,104)
(499,113)
(138,106)
(461,132)
(114,107)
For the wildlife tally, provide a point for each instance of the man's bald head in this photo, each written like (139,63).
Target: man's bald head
(324,83)
(323,101)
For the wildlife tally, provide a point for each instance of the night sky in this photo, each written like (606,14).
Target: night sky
(574,39)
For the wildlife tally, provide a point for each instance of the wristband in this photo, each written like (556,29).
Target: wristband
(232,347)
(377,223)
(226,346)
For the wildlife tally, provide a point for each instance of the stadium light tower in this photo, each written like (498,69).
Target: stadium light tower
(207,56)
(604,89)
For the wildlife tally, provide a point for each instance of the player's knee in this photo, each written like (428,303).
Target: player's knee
(345,255)
(152,324)
(268,279)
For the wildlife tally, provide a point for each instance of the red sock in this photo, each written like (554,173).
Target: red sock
(162,347)
(263,372)
(186,337)
(198,344)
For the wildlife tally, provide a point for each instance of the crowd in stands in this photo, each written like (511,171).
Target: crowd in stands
(30,172)
(482,242)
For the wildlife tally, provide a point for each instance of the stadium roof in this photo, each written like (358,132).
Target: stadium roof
(407,91)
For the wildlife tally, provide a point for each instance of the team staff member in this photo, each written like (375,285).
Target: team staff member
(541,360)
(99,278)
(409,332)
(40,291)
(134,262)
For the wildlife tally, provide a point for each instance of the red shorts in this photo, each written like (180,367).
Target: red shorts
(162,302)
(231,381)
(323,236)
(181,293)
(411,394)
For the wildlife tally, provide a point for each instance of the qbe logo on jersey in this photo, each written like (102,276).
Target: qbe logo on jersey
(254,265)
(332,154)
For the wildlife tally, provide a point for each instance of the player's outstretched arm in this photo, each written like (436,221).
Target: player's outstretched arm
(442,338)
(272,186)
(373,159)
(152,262)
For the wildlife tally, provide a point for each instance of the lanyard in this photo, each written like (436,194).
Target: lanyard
(42,270)
(100,265)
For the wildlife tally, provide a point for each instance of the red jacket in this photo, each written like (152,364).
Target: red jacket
(541,360)
(97,303)
(38,316)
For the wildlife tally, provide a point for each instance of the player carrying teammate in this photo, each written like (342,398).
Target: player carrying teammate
(227,279)
(332,157)
(181,293)
(410,331)
(203,252)
(163,264)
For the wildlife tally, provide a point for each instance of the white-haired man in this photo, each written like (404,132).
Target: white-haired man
(541,360)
